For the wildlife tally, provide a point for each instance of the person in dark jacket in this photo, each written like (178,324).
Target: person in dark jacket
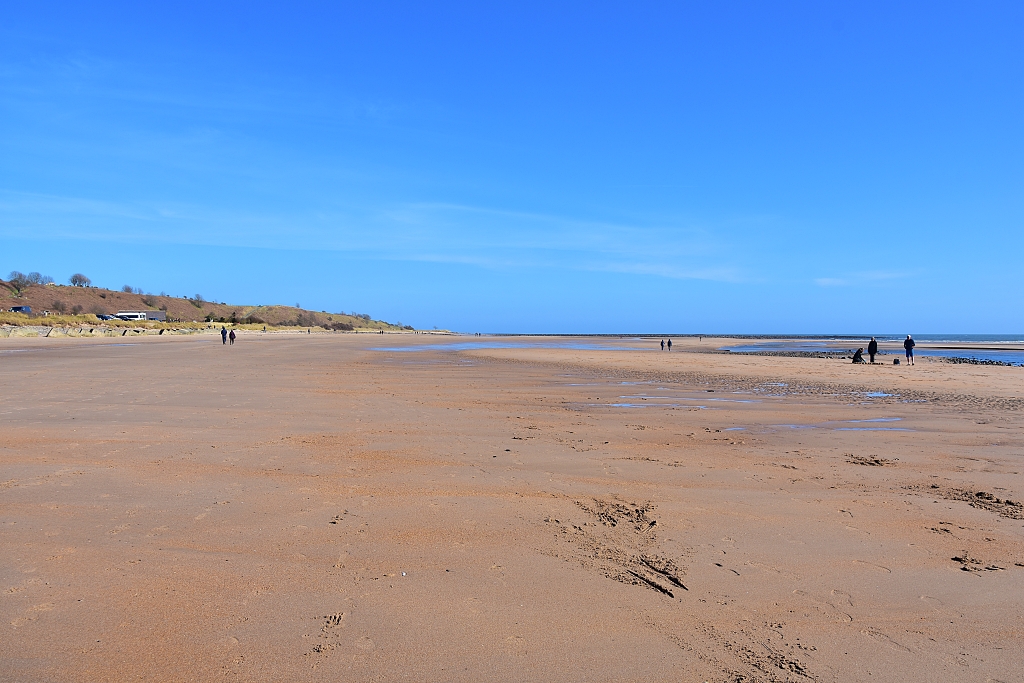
(858,357)
(909,345)
(669,344)
(232,336)
(223,335)
(872,349)
(662,344)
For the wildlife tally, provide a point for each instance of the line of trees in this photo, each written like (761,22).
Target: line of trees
(21,280)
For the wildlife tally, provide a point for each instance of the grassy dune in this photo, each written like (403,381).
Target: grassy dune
(80,306)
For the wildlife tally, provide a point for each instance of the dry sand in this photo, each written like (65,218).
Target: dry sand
(299,508)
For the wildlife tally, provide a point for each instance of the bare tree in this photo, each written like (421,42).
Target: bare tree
(35,278)
(18,280)
(128,289)
(79,280)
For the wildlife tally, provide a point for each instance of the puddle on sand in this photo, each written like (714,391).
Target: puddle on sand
(850,429)
(641,405)
(686,398)
(474,345)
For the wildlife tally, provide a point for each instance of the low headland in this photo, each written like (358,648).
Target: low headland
(76,310)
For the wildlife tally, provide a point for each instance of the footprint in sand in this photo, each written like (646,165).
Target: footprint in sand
(880,637)
(31,614)
(840,600)
(825,606)
(870,565)
(365,643)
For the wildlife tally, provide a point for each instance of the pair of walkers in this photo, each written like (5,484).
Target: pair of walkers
(908,346)
(663,344)
(225,336)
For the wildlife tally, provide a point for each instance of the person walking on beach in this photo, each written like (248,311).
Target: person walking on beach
(669,344)
(223,335)
(662,344)
(232,336)
(909,345)
(872,349)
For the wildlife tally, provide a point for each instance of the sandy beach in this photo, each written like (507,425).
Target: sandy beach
(309,508)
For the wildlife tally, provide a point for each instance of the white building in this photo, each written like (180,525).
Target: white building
(142,315)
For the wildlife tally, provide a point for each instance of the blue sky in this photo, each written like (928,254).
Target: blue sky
(528,167)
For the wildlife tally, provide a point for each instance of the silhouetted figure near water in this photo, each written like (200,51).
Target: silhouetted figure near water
(669,344)
(662,344)
(858,357)
(872,349)
(908,345)
(223,335)
(232,336)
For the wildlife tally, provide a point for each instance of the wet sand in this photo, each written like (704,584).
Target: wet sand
(304,507)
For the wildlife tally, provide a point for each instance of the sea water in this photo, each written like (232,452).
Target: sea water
(990,346)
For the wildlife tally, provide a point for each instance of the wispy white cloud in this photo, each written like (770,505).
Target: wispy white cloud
(863,278)
(83,76)
(877,275)
(537,239)
(436,232)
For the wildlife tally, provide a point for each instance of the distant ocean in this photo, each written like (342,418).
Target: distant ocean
(984,347)
(932,338)
(974,346)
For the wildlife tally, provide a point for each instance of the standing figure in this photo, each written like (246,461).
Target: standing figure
(662,344)
(223,335)
(669,344)
(909,345)
(232,336)
(872,349)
